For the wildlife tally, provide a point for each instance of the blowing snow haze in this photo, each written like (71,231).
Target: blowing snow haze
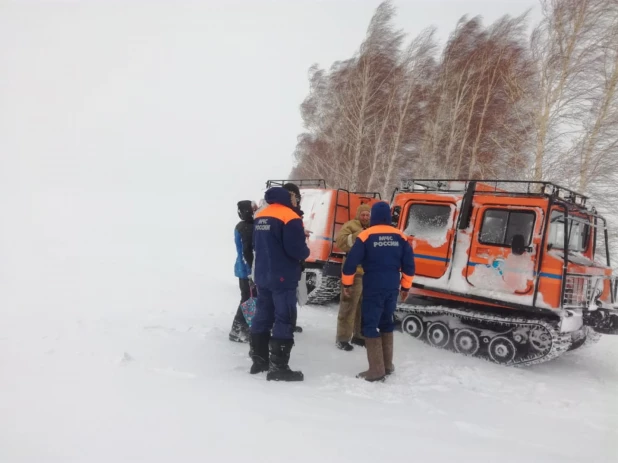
(128,132)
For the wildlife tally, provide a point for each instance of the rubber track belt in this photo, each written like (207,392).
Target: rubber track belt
(560,342)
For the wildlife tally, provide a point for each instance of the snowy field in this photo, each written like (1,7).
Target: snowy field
(168,386)
(157,380)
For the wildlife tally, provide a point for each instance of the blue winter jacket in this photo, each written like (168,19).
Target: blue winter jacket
(243,238)
(279,242)
(384,253)
(244,252)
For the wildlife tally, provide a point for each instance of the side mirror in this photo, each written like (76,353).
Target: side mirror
(518,246)
(395,216)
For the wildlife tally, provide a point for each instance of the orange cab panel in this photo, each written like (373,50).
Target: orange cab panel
(429,224)
(325,212)
(491,263)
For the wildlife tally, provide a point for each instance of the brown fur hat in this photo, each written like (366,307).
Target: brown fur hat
(362,208)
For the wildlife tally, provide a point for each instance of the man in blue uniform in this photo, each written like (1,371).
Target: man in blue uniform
(295,196)
(279,244)
(388,262)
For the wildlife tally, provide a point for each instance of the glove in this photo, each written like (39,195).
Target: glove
(347,291)
(352,238)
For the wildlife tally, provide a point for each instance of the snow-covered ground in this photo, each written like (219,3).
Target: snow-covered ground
(163,383)
(114,315)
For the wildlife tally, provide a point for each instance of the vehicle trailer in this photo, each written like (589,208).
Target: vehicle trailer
(515,272)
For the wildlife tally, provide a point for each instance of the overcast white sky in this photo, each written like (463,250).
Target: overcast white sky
(128,132)
(164,95)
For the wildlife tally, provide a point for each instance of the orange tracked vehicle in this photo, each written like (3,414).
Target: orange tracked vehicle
(325,211)
(515,272)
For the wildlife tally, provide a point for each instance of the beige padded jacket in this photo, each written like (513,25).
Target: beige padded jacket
(349,232)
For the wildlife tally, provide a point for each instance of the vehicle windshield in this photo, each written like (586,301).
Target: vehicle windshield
(577,227)
(426,220)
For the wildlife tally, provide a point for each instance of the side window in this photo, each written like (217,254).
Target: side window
(578,229)
(520,223)
(493,230)
(427,220)
(501,225)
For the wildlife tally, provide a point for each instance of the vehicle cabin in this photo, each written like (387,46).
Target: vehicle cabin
(508,244)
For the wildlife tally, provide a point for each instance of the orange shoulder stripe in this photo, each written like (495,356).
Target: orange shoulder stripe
(364,235)
(278,211)
(382,229)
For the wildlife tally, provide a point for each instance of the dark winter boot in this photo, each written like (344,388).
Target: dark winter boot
(239,333)
(240,330)
(387,350)
(375,357)
(259,352)
(344,345)
(360,342)
(279,358)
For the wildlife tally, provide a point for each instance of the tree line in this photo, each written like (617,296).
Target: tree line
(494,102)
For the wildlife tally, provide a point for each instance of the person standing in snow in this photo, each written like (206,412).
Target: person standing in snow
(349,317)
(301,292)
(279,244)
(388,262)
(243,237)
(302,283)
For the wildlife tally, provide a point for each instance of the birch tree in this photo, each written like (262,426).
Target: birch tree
(564,46)
(597,150)
(478,124)
(412,88)
(347,112)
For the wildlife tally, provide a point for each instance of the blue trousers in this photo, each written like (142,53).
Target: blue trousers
(276,311)
(378,308)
